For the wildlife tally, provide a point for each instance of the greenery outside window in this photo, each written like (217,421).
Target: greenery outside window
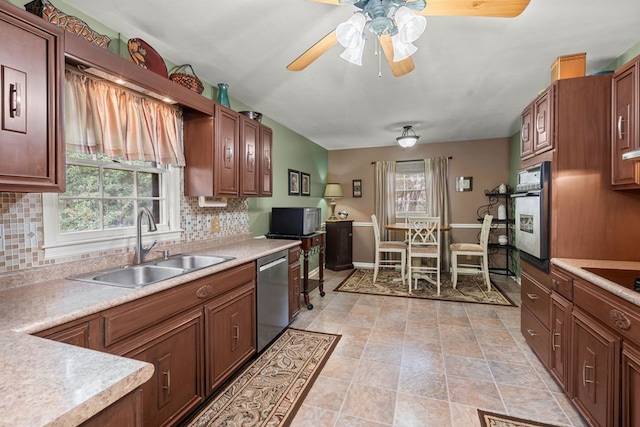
(99,208)
(410,195)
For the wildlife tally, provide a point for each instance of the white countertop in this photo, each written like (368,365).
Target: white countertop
(576,266)
(43,382)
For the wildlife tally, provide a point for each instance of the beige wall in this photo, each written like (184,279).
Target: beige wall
(487,161)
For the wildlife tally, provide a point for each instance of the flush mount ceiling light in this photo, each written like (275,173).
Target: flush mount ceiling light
(396,24)
(407,140)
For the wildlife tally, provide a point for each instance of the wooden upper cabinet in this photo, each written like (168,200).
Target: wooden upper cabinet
(537,135)
(227,144)
(32,79)
(266,175)
(249,153)
(625,174)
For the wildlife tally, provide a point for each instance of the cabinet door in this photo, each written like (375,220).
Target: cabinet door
(266,175)
(526,133)
(227,138)
(560,331)
(176,387)
(230,333)
(249,151)
(339,252)
(543,135)
(32,78)
(630,386)
(623,129)
(125,412)
(595,365)
(294,290)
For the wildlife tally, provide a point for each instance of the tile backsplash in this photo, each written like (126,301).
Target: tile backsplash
(21,229)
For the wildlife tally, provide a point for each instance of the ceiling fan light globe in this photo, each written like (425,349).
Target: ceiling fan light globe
(354,55)
(349,32)
(401,50)
(410,26)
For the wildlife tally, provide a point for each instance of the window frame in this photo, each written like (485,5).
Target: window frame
(58,244)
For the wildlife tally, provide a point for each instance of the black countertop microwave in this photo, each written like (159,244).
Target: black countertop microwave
(295,221)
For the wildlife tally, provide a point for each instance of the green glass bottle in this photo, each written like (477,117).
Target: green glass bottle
(223,96)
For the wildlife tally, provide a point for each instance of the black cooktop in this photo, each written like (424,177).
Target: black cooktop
(624,278)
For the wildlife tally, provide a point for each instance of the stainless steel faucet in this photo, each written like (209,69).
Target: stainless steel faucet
(140,250)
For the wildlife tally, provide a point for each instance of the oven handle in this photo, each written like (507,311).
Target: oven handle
(530,193)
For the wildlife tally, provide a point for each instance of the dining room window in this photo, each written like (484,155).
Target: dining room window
(410,192)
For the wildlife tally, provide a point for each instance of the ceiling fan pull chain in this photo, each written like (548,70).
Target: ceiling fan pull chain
(377,53)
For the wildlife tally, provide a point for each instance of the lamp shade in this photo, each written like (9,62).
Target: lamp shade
(349,33)
(401,50)
(333,190)
(410,26)
(407,139)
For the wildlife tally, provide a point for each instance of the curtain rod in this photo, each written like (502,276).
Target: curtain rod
(414,160)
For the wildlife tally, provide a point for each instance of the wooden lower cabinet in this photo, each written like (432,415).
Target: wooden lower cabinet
(630,379)
(125,412)
(560,339)
(230,333)
(83,332)
(294,283)
(176,386)
(595,386)
(534,324)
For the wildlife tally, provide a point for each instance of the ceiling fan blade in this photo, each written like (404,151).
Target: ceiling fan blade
(491,8)
(399,68)
(314,52)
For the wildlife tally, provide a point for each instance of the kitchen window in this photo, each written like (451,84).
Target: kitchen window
(411,194)
(99,208)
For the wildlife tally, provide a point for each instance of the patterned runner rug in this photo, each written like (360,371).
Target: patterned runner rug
(490,419)
(470,288)
(270,390)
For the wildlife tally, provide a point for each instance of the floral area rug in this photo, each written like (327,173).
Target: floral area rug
(470,288)
(270,390)
(490,419)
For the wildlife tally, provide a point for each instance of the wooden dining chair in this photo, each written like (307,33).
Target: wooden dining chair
(388,247)
(476,250)
(424,242)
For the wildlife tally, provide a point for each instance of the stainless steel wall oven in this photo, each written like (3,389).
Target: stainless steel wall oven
(532,214)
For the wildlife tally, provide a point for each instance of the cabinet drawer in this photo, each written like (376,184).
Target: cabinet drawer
(536,298)
(127,319)
(294,255)
(562,284)
(614,312)
(536,335)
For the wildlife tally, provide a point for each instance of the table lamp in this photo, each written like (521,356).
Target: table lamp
(332,191)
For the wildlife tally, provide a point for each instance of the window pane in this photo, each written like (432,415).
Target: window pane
(82,181)
(153,206)
(118,183)
(79,215)
(119,213)
(147,184)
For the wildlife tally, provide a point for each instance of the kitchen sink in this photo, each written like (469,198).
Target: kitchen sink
(136,276)
(191,262)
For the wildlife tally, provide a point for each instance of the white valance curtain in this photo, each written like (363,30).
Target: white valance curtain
(101,117)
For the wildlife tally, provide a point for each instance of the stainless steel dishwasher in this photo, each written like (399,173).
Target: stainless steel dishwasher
(272,296)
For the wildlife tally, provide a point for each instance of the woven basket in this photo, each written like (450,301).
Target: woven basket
(190,81)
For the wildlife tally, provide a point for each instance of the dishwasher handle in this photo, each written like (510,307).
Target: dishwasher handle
(272,264)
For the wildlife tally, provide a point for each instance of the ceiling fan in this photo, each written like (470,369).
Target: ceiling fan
(396,24)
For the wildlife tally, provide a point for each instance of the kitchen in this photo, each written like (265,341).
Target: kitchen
(237,219)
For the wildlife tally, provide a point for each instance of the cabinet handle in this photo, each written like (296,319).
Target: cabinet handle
(533,297)
(620,121)
(236,332)
(554,346)
(268,159)
(167,376)
(15,100)
(554,283)
(228,152)
(585,381)
(532,332)
(539,128)
(250,158)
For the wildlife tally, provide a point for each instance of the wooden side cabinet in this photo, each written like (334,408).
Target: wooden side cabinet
(339,245)
(32,82)
(294,282)
(537,135)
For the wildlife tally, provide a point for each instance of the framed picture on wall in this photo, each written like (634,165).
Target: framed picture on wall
(357,188)
(305,179)
(294,182)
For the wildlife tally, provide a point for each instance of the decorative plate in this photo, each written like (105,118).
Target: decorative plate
(146,56)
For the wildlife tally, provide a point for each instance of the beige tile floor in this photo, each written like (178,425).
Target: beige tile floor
(409,362)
